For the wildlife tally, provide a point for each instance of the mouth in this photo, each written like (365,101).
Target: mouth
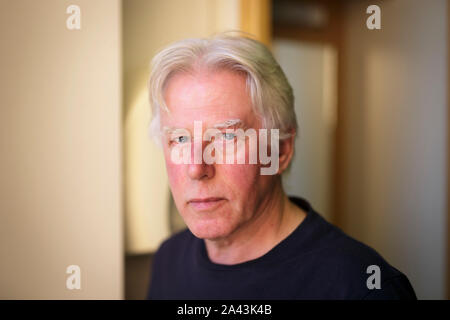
(205,204)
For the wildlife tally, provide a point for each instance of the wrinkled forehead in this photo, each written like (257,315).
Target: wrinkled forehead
(216,99)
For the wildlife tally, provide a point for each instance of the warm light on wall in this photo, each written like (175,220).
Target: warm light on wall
(146,185)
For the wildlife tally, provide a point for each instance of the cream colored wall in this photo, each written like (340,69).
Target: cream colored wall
(149,26)
(395,136)
(60,146)
(311,71)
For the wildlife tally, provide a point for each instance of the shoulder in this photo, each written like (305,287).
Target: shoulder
(344,266)
(359,272)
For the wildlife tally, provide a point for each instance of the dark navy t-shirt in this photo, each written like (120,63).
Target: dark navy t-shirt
(316,261)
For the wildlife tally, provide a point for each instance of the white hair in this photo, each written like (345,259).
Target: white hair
(270,92)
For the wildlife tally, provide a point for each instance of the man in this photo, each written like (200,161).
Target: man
(223,98)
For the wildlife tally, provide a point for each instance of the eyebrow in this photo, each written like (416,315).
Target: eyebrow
(170,130)
(228,123)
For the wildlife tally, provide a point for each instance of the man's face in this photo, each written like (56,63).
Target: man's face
(214,200)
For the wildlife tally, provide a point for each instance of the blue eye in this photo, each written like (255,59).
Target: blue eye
(181,139)
(229,136)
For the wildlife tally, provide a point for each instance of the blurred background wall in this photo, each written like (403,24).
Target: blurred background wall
(390,163)
(312,72)
(394,143)
(60,147)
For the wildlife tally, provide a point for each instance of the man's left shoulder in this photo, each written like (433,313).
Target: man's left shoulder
(359,272)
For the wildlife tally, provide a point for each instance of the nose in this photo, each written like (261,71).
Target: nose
(199,171)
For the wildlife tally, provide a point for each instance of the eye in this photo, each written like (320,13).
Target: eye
(180,139)
(229,135)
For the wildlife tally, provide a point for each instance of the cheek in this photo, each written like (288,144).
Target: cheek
(241,178)
(247,185)
(175,174)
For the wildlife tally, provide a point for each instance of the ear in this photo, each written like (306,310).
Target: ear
(286,151)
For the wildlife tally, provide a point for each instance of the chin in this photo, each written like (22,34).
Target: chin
(208,231)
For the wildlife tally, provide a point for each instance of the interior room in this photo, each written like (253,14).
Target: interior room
(82,182)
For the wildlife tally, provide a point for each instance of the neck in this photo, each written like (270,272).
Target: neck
(276,219)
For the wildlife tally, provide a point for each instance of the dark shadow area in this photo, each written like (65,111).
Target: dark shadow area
(137,276)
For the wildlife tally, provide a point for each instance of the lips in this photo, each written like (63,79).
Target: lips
(204,204)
